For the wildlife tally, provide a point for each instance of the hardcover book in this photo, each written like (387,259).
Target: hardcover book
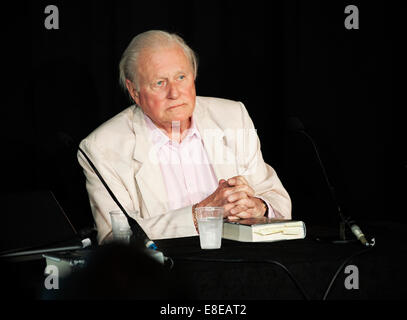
(263,229)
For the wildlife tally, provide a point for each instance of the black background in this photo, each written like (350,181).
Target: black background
(281,59)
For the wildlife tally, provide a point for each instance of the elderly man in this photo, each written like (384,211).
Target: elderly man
(172,151)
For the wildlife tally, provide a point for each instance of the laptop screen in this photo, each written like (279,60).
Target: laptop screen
(33,220)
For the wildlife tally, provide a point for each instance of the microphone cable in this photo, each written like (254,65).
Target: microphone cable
(283,267)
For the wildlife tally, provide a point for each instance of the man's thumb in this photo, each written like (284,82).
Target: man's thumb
(222,183)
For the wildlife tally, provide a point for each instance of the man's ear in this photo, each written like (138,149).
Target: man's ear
(132,91)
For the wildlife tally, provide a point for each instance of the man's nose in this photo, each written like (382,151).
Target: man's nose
(173,91)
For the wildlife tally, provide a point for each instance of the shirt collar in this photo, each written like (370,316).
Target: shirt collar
(159,138)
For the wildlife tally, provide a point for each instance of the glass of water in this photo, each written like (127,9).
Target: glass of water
(120,227)
(210,225)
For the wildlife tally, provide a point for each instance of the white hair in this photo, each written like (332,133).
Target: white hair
(146,40)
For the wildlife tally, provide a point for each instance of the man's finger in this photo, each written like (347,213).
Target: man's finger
(237,196)
(237,181)
(245,214)
(245,188)
(246,202)
(238,209)
(231,217)
(226,208)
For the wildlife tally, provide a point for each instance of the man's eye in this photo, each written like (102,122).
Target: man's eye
(159,84)
(181,77)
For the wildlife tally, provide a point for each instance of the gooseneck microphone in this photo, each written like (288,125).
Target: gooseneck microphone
(295,125)
(138,232)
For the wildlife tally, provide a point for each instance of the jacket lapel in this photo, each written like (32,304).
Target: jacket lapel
(215,141)
(147,168)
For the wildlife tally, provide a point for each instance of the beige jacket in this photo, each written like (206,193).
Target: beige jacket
(123,154)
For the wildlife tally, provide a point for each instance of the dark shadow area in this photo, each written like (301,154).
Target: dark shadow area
(117,271)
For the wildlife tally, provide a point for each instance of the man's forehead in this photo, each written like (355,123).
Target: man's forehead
(157,62)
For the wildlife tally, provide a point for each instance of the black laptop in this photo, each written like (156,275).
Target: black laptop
(34,223)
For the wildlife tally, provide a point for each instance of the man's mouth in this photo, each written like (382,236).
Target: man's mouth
(177,105)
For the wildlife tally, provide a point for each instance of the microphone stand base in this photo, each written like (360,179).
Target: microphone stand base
(335,240)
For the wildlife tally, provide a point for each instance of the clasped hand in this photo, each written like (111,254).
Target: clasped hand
(237,198)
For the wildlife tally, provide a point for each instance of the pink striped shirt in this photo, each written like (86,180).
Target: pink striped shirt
(188,175)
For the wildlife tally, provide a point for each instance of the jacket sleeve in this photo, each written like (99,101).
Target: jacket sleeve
(261,176)
(168,225)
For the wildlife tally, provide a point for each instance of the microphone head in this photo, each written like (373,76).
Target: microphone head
(294,124)
(359,234)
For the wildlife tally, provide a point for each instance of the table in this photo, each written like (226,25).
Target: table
(259,270)
(296,269)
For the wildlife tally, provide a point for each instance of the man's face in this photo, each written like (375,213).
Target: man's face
(167,86)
